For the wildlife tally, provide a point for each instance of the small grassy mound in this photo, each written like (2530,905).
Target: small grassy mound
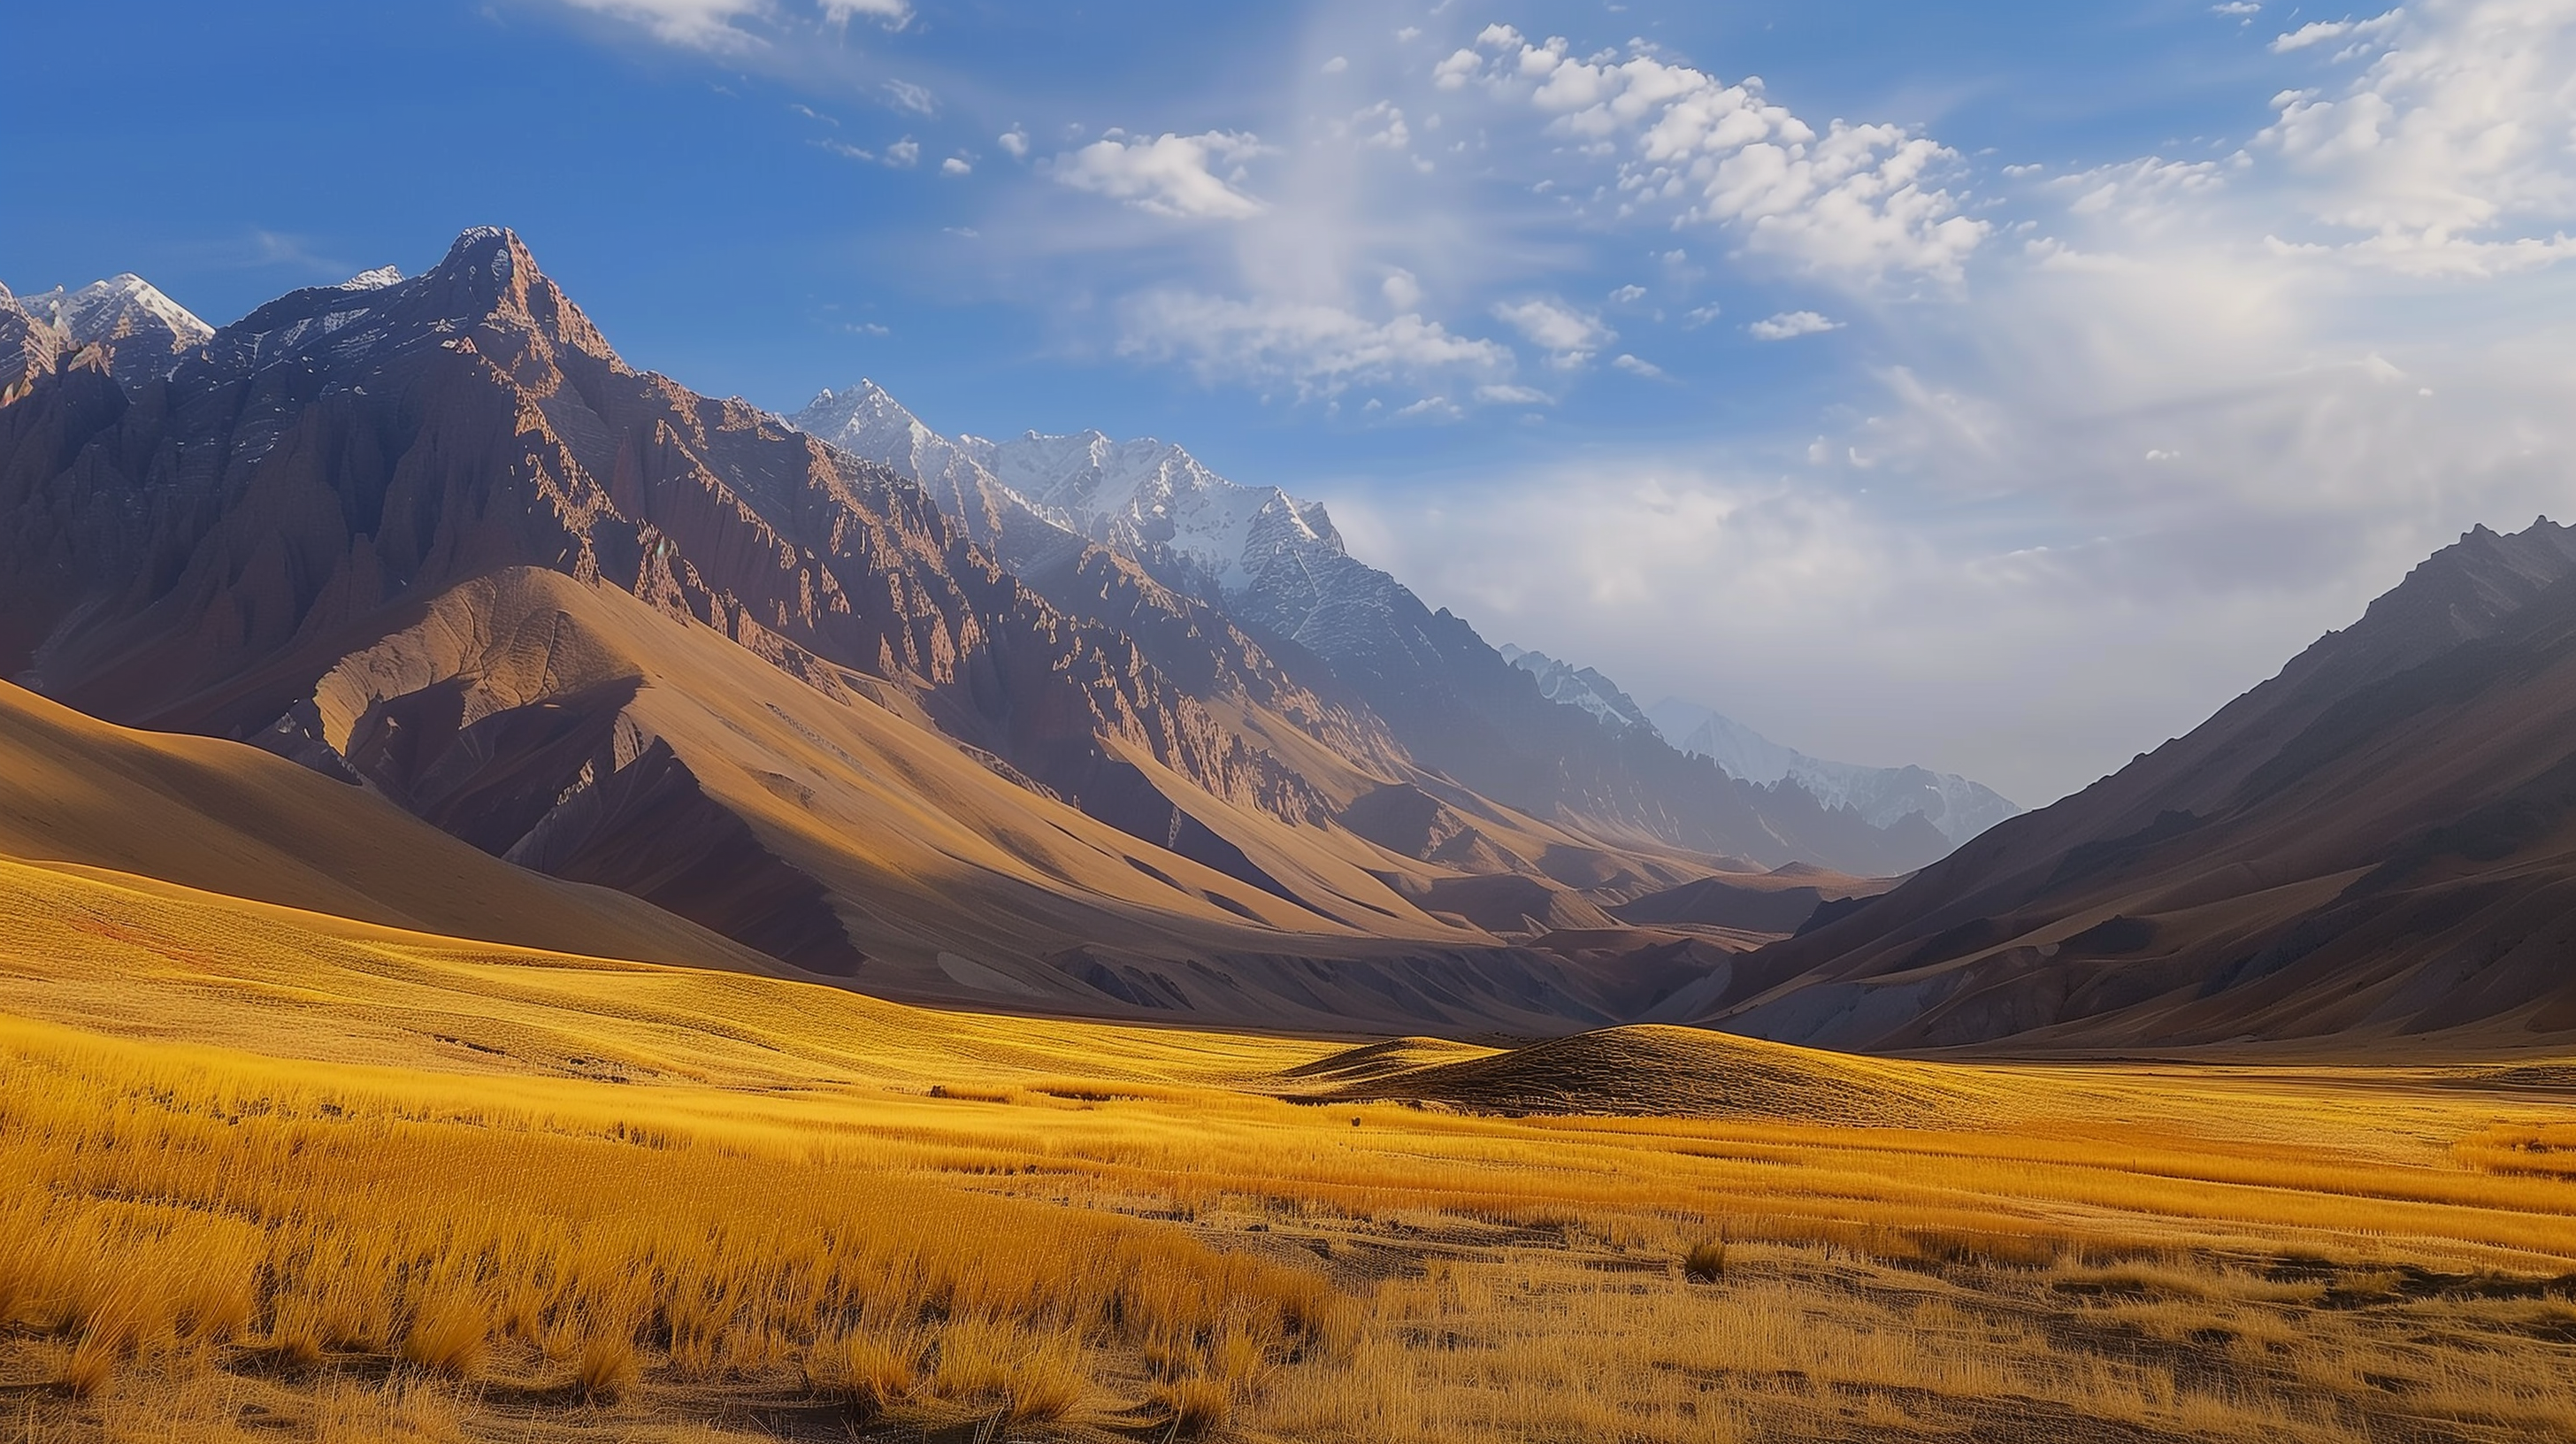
(1689,1072)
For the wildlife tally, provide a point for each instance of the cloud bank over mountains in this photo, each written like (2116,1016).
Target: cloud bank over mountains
(2063,451)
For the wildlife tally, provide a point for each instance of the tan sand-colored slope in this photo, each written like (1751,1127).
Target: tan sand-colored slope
(811,810)
(231,819)
(115,953)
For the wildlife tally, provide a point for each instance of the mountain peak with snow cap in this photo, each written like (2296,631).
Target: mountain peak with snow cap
(142,330)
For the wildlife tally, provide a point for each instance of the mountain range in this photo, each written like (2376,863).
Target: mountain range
(408,599)
(1883,796)
(1054,723)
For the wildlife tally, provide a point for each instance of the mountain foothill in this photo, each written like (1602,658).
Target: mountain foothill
(408,599)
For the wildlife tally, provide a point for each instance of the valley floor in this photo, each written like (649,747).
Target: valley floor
(272,1175)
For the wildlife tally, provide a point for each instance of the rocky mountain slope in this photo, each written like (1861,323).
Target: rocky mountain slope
(2379,842)
(1275,567)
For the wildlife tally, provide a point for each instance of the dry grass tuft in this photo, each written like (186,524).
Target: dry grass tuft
(1194,1404)
(92,1364)
(1031,1377)
(1705,1263)
(606,1367)
(447,1336)
(867,1371)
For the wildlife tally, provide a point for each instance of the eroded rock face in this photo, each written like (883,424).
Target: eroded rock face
(29,346)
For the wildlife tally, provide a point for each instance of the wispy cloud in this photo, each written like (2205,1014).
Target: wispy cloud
(1167,175)
(1313,350)
(905,96)
(1788,325)
(1570,337)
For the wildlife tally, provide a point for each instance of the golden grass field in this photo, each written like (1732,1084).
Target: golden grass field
(272,1175)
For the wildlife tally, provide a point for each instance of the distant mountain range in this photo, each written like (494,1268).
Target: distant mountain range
(1275,565)
(1050,723)
(1883,796)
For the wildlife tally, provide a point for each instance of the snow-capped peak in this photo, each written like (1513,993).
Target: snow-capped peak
(112,310)
(1571,686)
(1129,495)
(375,280)
(1957,806)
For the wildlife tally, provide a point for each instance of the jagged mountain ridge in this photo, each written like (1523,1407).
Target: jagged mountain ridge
(2378,842)
(1883,796)
(1959,806)
(1570,686)
(1277,566)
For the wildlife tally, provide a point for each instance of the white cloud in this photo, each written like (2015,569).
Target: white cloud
(2452,149)
(1382,126)
(1858,201)
(1014,143)
(1508,395)
(699,24)
(1628,295)
(1314,349)
(1402,290)
(906,96)
(1337,65)
(1636,367)
(846,151)
(1570,337)
(1698,316)
(903,154)
(2319,32)
(892,14)
(729,27)
(2237,9)
(1791,324)
(1167,175)
(956,165)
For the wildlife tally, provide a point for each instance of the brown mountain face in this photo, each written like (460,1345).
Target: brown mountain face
(28,348)
(434,539)
(339,448)
(2377,844)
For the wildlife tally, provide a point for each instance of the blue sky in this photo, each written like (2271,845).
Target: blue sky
(2000,387)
